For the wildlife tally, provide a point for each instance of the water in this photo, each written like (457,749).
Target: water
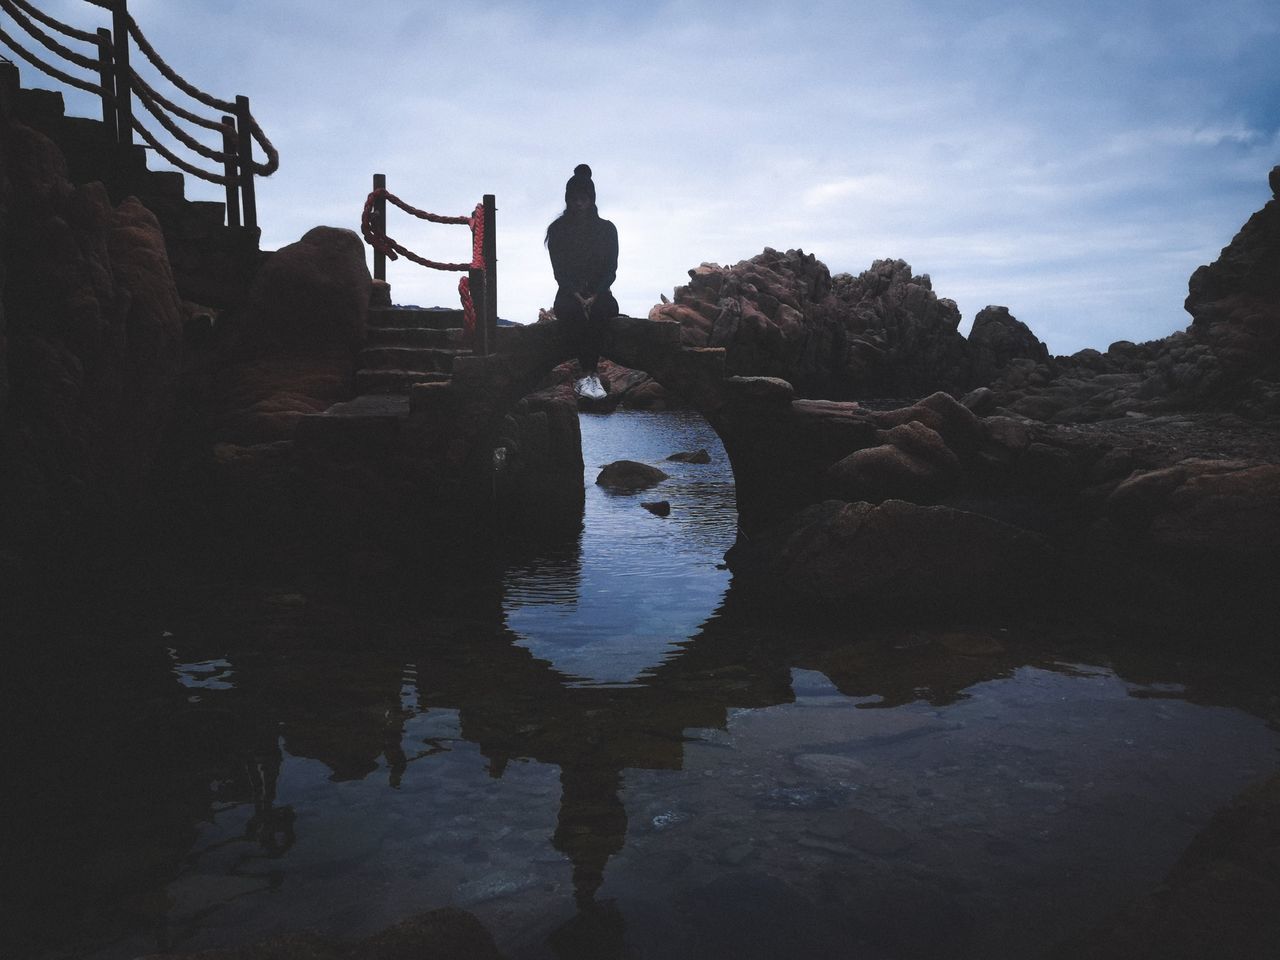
(626,758)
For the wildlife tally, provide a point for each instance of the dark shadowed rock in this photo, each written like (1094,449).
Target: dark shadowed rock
(295,344)
(659,508)
(628,475)
(998,337)
(900,555)
(91,345)
(1218,507)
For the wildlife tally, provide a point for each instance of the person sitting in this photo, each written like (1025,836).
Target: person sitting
(584,259)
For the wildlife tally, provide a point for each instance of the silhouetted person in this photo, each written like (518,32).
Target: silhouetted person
(584,258)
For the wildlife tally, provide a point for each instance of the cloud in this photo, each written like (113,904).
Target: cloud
(1074,162)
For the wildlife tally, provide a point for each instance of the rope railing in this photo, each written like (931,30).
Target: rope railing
(117,82)
(481,268)
(52,24)
(95,88)
(195,93)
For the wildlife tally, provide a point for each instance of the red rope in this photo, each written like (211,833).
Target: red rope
(393,250)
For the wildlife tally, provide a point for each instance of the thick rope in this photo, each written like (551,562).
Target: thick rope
(178,162)
(468,308)
(195,93)
(94,88)
(181,135)
(145,90)
(393,250)
(79,59)
(53,24)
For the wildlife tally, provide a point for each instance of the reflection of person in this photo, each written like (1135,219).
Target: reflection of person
(584,258)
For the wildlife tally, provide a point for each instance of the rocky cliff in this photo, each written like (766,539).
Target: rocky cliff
(90,356)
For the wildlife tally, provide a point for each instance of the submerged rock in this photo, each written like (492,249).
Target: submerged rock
(629,475)
(691,456)
(659,508)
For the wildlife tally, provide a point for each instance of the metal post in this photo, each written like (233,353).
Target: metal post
(244,143)
(490,339)
(230,155)
(380,226)
(124,78)
(107,77)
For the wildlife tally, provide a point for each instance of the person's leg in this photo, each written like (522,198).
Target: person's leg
(568,309)
(604,307)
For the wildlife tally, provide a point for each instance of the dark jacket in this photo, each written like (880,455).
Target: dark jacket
(584,255)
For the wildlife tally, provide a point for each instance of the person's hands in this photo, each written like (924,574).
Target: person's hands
(585,301)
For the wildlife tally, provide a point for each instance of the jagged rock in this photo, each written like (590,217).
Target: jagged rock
(881,333)
(1235,301)
(998,337)
(903,338)
(628,475)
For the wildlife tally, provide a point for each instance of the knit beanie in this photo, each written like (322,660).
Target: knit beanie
(580,182)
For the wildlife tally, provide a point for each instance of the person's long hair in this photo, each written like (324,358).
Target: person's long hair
(592,214)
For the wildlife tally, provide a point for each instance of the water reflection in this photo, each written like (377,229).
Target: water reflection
(619,756)
(191,821)
(608,604)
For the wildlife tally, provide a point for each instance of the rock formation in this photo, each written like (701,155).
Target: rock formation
(90,348)
(883,333)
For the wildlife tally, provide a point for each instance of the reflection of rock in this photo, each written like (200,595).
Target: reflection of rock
(629,475)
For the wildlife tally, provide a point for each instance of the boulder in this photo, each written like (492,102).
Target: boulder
(1225,508)
(292,351)
(629,476)
(913,464)
(900,557)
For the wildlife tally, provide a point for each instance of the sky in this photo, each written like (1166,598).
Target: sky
(1074,162)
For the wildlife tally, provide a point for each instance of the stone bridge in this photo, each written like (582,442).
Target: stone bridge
(440,444)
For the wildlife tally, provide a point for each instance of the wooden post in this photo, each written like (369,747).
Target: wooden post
(107,77)
(231,154)
(244,143)
(124,79)
(380,225)
(490,276)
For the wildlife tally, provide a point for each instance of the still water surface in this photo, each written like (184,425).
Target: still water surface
(623,759)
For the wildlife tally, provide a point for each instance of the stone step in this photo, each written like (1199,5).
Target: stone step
(361,429)
(409,358)
(395,381)
(414,337)
(436,318)
(186,219)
